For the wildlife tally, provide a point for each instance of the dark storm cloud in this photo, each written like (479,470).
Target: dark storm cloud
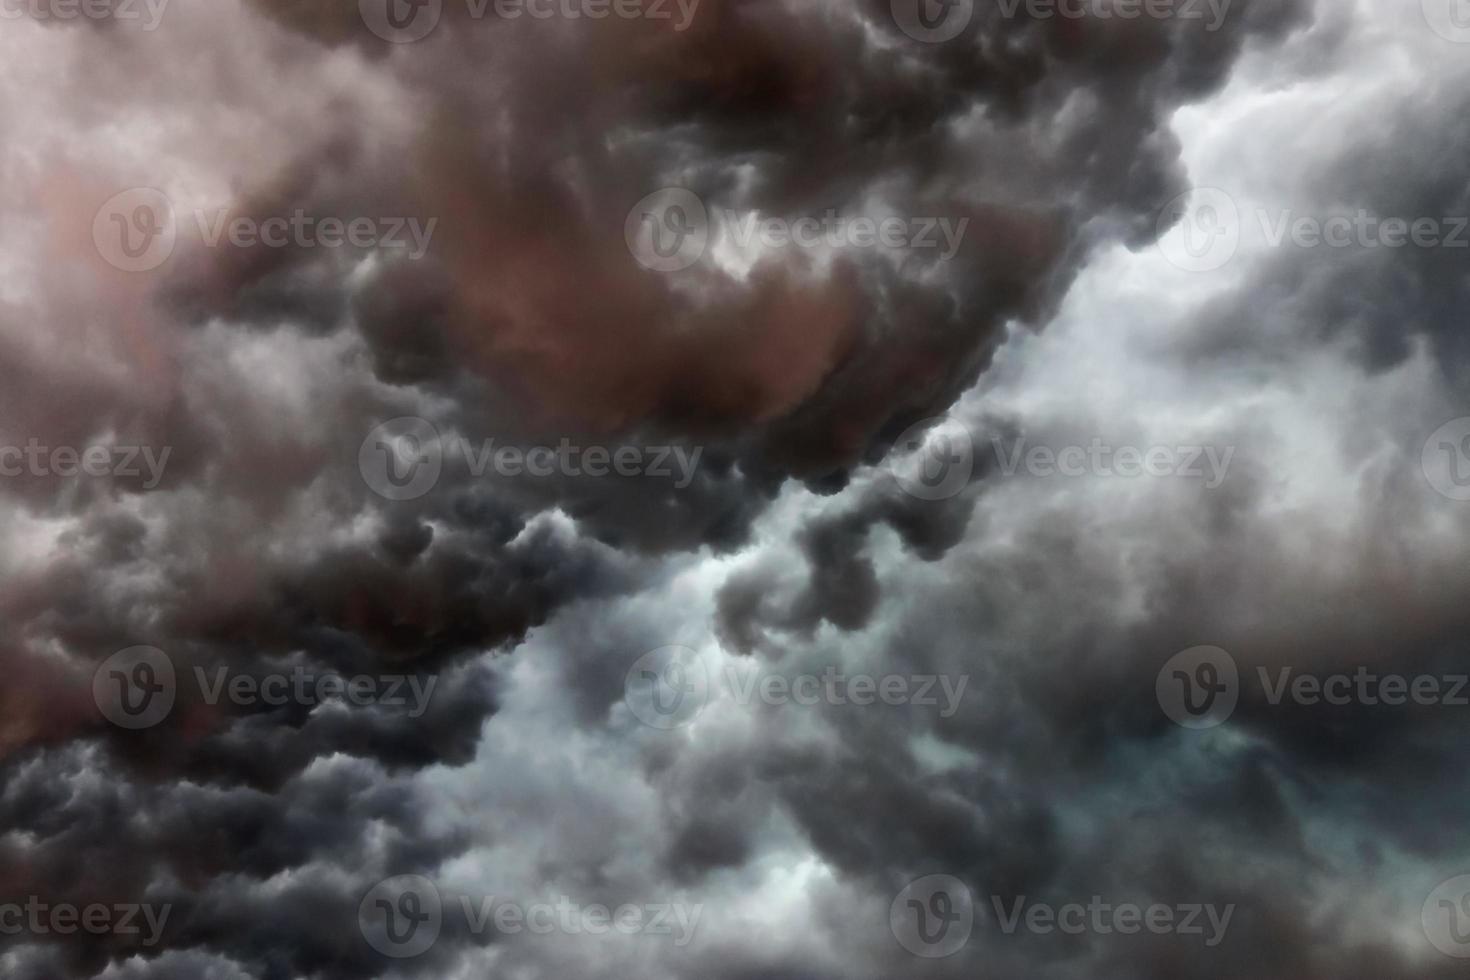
(529,321)
(788,109)
(1379,298)
(1298,812)
(1074,784)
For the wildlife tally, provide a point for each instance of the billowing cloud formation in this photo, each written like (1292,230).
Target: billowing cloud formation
(774,380)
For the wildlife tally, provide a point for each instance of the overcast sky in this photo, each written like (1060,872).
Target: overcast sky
(734,489)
